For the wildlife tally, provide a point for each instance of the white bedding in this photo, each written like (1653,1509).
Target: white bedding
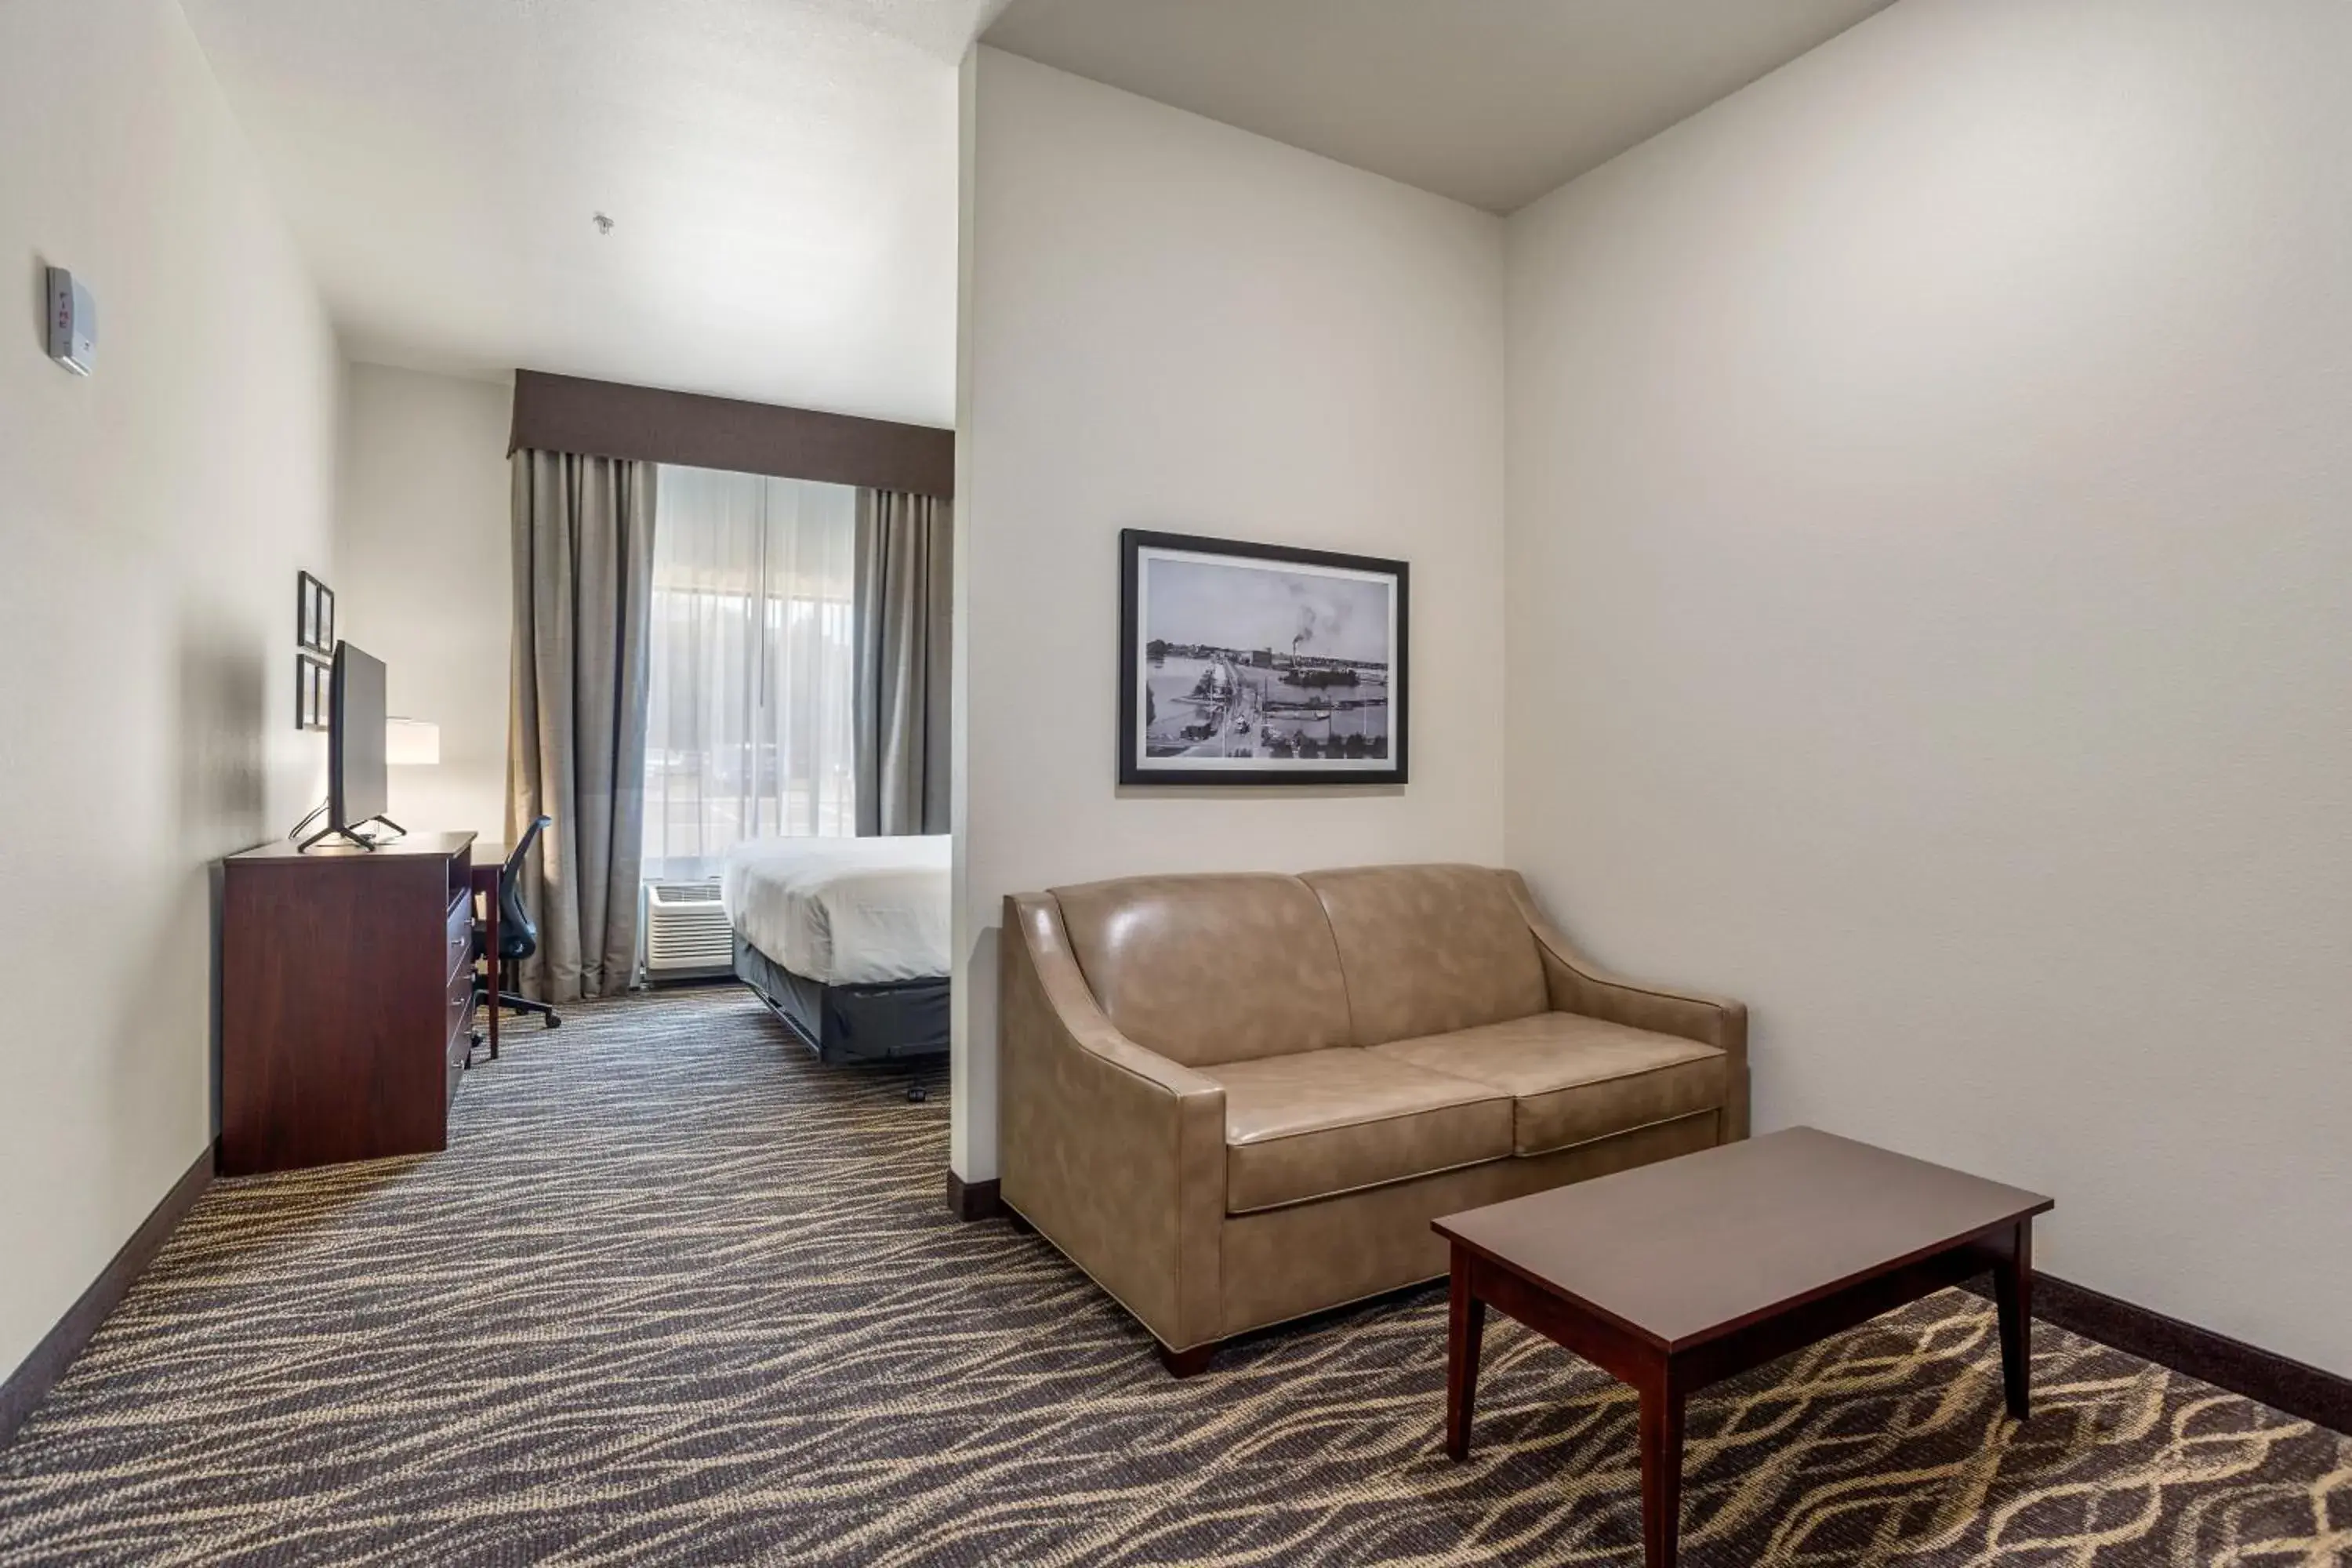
(844,911)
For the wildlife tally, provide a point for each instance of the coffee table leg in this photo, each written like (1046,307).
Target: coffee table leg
(2012,1291)
(1465,1323)
(1662,1468)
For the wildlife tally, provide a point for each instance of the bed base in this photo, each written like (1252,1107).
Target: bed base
(897,1021)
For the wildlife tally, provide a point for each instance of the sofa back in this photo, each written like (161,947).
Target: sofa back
(1427,950)
(1210,969)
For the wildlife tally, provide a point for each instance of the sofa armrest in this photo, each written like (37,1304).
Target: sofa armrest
(1115,1152)
(1579,985)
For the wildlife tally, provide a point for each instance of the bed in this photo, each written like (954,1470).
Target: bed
(846,939)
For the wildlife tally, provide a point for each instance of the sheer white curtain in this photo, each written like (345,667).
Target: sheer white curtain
(749,729)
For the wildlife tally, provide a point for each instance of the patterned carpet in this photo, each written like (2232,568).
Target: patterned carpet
(679,1295)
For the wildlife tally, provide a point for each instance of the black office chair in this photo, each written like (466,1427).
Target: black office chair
(518,933)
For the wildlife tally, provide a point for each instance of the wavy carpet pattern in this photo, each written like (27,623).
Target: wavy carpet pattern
(676,1294)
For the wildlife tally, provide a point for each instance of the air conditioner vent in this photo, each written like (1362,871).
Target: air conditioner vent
(687,931)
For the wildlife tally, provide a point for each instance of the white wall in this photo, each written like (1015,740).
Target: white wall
(1171,323)
(1931,612)
(424,574)
(152,519)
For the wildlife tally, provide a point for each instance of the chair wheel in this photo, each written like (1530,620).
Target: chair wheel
(550,1022)
(916,1094)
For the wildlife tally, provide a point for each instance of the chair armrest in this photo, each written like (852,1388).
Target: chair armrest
(1115,1152)
(1577,984)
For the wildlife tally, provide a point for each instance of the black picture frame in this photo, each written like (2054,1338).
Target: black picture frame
(314,614)
(313,690)
(1275,684)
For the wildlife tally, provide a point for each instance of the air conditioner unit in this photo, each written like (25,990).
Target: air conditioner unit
(687,936)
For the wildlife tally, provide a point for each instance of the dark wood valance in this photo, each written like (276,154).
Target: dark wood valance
(607,419)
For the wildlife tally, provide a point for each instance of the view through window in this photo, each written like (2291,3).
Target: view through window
(748,724)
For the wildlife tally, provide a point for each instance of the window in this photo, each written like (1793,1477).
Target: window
(749,722)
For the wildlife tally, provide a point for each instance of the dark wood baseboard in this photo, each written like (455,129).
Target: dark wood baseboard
(2280,1381)
(30,1383)
(2307,1393)
(973,1200)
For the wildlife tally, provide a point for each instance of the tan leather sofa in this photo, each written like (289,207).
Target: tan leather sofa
(1236,1099)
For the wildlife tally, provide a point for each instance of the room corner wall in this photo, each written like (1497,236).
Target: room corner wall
(1930,563)
(1172,323)
(153,517)
(424,552)
(972,1078)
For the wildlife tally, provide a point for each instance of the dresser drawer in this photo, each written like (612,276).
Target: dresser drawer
(454,1071)
(460,934)
(461,1010)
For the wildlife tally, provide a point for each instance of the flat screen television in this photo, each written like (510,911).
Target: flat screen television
(357,790)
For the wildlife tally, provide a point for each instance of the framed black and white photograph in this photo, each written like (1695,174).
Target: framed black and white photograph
(313,690)
(314,614)
(1255,664)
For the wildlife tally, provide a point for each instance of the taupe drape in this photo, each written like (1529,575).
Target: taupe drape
(583,553)
(906,589)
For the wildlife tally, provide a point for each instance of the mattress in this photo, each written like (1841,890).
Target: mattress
(844,911)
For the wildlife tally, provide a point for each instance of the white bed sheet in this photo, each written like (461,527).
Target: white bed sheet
(844,911)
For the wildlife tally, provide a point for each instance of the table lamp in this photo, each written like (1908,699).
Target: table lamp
(411,742)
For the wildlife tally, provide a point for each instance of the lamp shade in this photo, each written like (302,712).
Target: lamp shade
(411,742)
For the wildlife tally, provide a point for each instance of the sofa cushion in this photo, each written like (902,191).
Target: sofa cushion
(1319,1122)
(1428,949)
(1575,1079)
(1207,968)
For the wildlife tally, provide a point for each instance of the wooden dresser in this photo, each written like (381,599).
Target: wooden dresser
(347,999)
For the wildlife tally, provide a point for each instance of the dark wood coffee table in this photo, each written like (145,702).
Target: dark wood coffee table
(1674,1275)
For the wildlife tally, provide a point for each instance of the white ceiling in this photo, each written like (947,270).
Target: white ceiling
(1493,102)
(781,174)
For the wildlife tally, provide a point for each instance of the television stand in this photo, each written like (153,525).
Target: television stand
(346,1001)
(352,835)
